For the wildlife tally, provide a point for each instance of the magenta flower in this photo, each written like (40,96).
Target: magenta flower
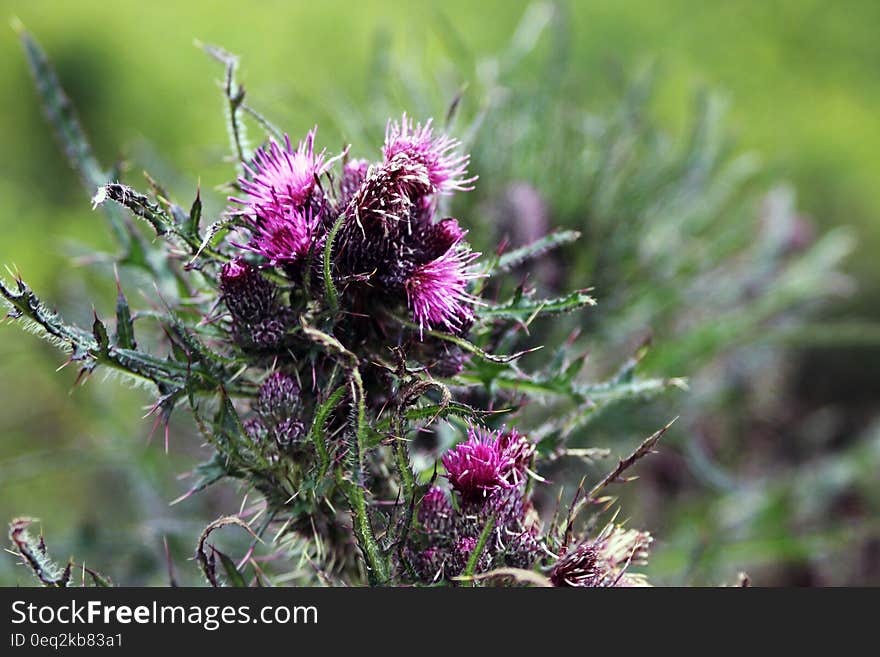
(282,201)
(284,235)
(280,176)
(482,465)
(437,290)
(447,169)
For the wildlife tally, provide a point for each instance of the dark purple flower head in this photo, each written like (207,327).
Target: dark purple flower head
(437,290)
(282,201)
(388,193)
(258,319)
(278,396)
(435,512)
(481,466)
(246,293)
(435,239)
(447,169)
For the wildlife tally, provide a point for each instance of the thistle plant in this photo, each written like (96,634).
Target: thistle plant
(329,319)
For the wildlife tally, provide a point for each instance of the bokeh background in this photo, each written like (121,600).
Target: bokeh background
(573,111)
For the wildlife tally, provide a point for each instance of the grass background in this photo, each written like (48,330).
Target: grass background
(801,78)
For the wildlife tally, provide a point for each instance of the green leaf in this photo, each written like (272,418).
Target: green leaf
(62,117)
(124,326)
(536,249)
(101,337)
(195,216)
(233,576)
(524,309)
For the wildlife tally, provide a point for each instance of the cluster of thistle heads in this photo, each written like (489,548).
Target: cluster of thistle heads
(343,315)
(376,227)
(391,251)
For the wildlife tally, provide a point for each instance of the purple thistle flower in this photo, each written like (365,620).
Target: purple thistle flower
(283,202)
(284,235)
(519,448)
(481,466)
(379,214)
(447,169)
(281,176)
(386,196)
(437,290)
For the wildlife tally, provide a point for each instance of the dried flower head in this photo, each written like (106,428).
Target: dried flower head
(447,169)
(604,561)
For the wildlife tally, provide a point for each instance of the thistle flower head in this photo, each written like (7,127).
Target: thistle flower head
(282,203)
(447,169)
(435,511)
(278,396)
(284,235)
(281,177)
(259,320)
(519,448)
(246,293)
(437,290)
(482,466)
(435,239)
(388,193)
(604,561)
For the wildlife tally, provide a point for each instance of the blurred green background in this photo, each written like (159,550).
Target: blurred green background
(800,79)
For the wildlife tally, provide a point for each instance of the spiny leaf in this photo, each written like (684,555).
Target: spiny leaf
(522,308)
(536,249)
(35,555)
(195,216)
(62,117)
(101,337)
(124,326)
